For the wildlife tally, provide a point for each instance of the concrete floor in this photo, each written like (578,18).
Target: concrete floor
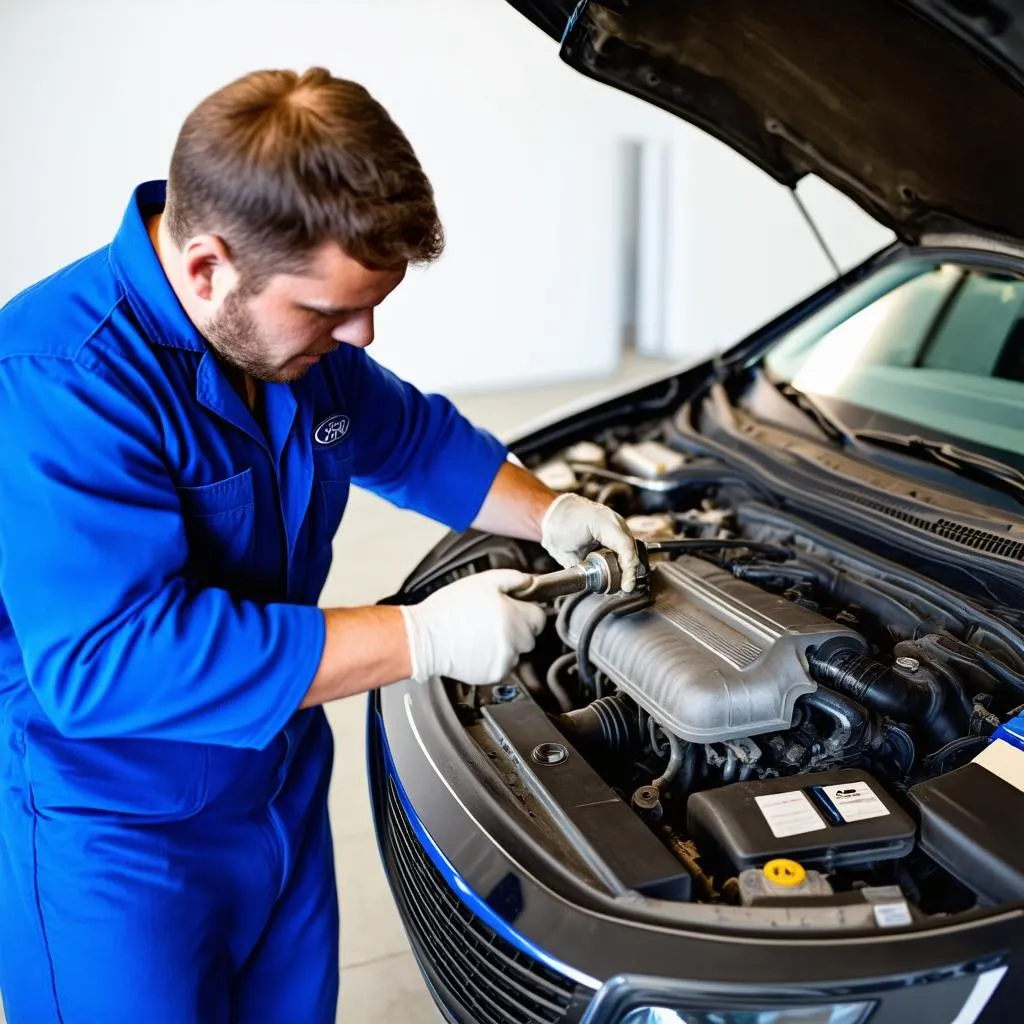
(379,978)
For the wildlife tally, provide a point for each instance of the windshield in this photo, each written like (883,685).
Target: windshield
(939,346)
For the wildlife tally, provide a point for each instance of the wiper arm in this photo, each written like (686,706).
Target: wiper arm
(970,465)
(827,422)
(991,472)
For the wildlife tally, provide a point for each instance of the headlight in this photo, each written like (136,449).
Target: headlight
(836,1013)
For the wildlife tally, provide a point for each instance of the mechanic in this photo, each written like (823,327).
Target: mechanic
(184,411)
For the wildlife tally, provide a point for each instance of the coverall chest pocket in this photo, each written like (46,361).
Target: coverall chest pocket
(219,523)
(331,486)
(333,477)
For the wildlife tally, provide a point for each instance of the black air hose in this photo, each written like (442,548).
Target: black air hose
(609,723)
(918,700)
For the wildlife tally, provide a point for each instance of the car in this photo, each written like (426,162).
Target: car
(782,782)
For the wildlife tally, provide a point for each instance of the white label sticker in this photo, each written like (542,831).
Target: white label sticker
(855,801)
(892,915)
(1005,760)
(789,814)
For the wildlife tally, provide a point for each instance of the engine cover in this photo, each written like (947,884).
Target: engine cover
(714,658)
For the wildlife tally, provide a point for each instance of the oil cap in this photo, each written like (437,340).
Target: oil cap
(786,873)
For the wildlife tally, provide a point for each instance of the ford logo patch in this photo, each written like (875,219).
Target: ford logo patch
(332,430)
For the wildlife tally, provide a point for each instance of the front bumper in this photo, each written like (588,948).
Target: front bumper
(474,973)
(495,944)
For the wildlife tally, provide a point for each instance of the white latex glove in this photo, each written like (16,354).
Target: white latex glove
(574,526)
(472,630)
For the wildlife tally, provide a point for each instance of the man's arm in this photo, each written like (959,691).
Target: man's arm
(419,452)
(568,526)
(364,648)
(370,647)
(470,630)
(515,504)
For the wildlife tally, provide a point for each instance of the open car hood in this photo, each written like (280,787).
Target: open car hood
(913,108)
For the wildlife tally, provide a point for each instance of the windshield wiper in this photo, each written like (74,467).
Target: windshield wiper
(827,422)
(970,465)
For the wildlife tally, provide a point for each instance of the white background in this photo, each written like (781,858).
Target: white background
(525,156)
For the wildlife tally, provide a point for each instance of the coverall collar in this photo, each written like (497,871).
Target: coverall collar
(153,301)
(138,269)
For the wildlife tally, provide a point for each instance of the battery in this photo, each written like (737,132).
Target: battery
(840,818)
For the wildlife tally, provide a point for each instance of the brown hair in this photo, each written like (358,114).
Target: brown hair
(276,164)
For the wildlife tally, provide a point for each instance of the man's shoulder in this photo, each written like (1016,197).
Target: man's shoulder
(63,315)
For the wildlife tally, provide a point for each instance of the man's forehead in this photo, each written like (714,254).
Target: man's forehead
(332,278)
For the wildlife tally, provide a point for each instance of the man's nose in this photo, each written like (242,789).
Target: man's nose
(357,332)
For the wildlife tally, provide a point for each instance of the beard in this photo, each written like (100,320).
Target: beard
(237,338)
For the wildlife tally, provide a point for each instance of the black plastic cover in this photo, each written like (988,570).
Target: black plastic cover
(593,818)
(972,823)
(744,821)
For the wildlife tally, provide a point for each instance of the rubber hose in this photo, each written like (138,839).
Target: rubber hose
(940,757)
(564,611)
(905,583)
(554,685)
(685,544)
(622,606)
(675,762)
(918,701)
(850,719)
(608,722)
(732,766)
(901,746)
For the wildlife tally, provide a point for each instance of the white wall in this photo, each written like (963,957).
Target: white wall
(739,251)
(524,155)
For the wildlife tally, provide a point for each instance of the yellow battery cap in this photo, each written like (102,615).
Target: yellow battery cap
(785,872)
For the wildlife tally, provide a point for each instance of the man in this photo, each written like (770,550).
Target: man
(183,414)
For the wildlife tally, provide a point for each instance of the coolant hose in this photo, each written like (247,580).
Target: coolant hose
(849,719)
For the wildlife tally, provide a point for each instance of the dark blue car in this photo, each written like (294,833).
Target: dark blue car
(785,784)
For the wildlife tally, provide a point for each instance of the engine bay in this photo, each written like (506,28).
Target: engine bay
(780,719)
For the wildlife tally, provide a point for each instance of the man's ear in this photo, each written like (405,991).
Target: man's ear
(206,263)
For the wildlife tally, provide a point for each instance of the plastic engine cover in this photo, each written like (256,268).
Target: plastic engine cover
(714,658)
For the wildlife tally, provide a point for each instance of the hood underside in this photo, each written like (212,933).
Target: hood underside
(914,109)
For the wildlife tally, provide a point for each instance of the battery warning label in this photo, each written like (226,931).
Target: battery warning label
(855,801)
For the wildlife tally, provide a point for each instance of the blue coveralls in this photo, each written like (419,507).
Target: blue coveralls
(165,854)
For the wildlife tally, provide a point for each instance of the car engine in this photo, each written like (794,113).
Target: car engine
(780,709)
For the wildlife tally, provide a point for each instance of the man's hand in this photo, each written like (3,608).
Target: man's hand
(472,630)
(573,526)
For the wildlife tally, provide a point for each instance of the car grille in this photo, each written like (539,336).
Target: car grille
(492,979)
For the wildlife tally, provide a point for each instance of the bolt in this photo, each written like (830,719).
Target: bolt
(908,664)
(550,753)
